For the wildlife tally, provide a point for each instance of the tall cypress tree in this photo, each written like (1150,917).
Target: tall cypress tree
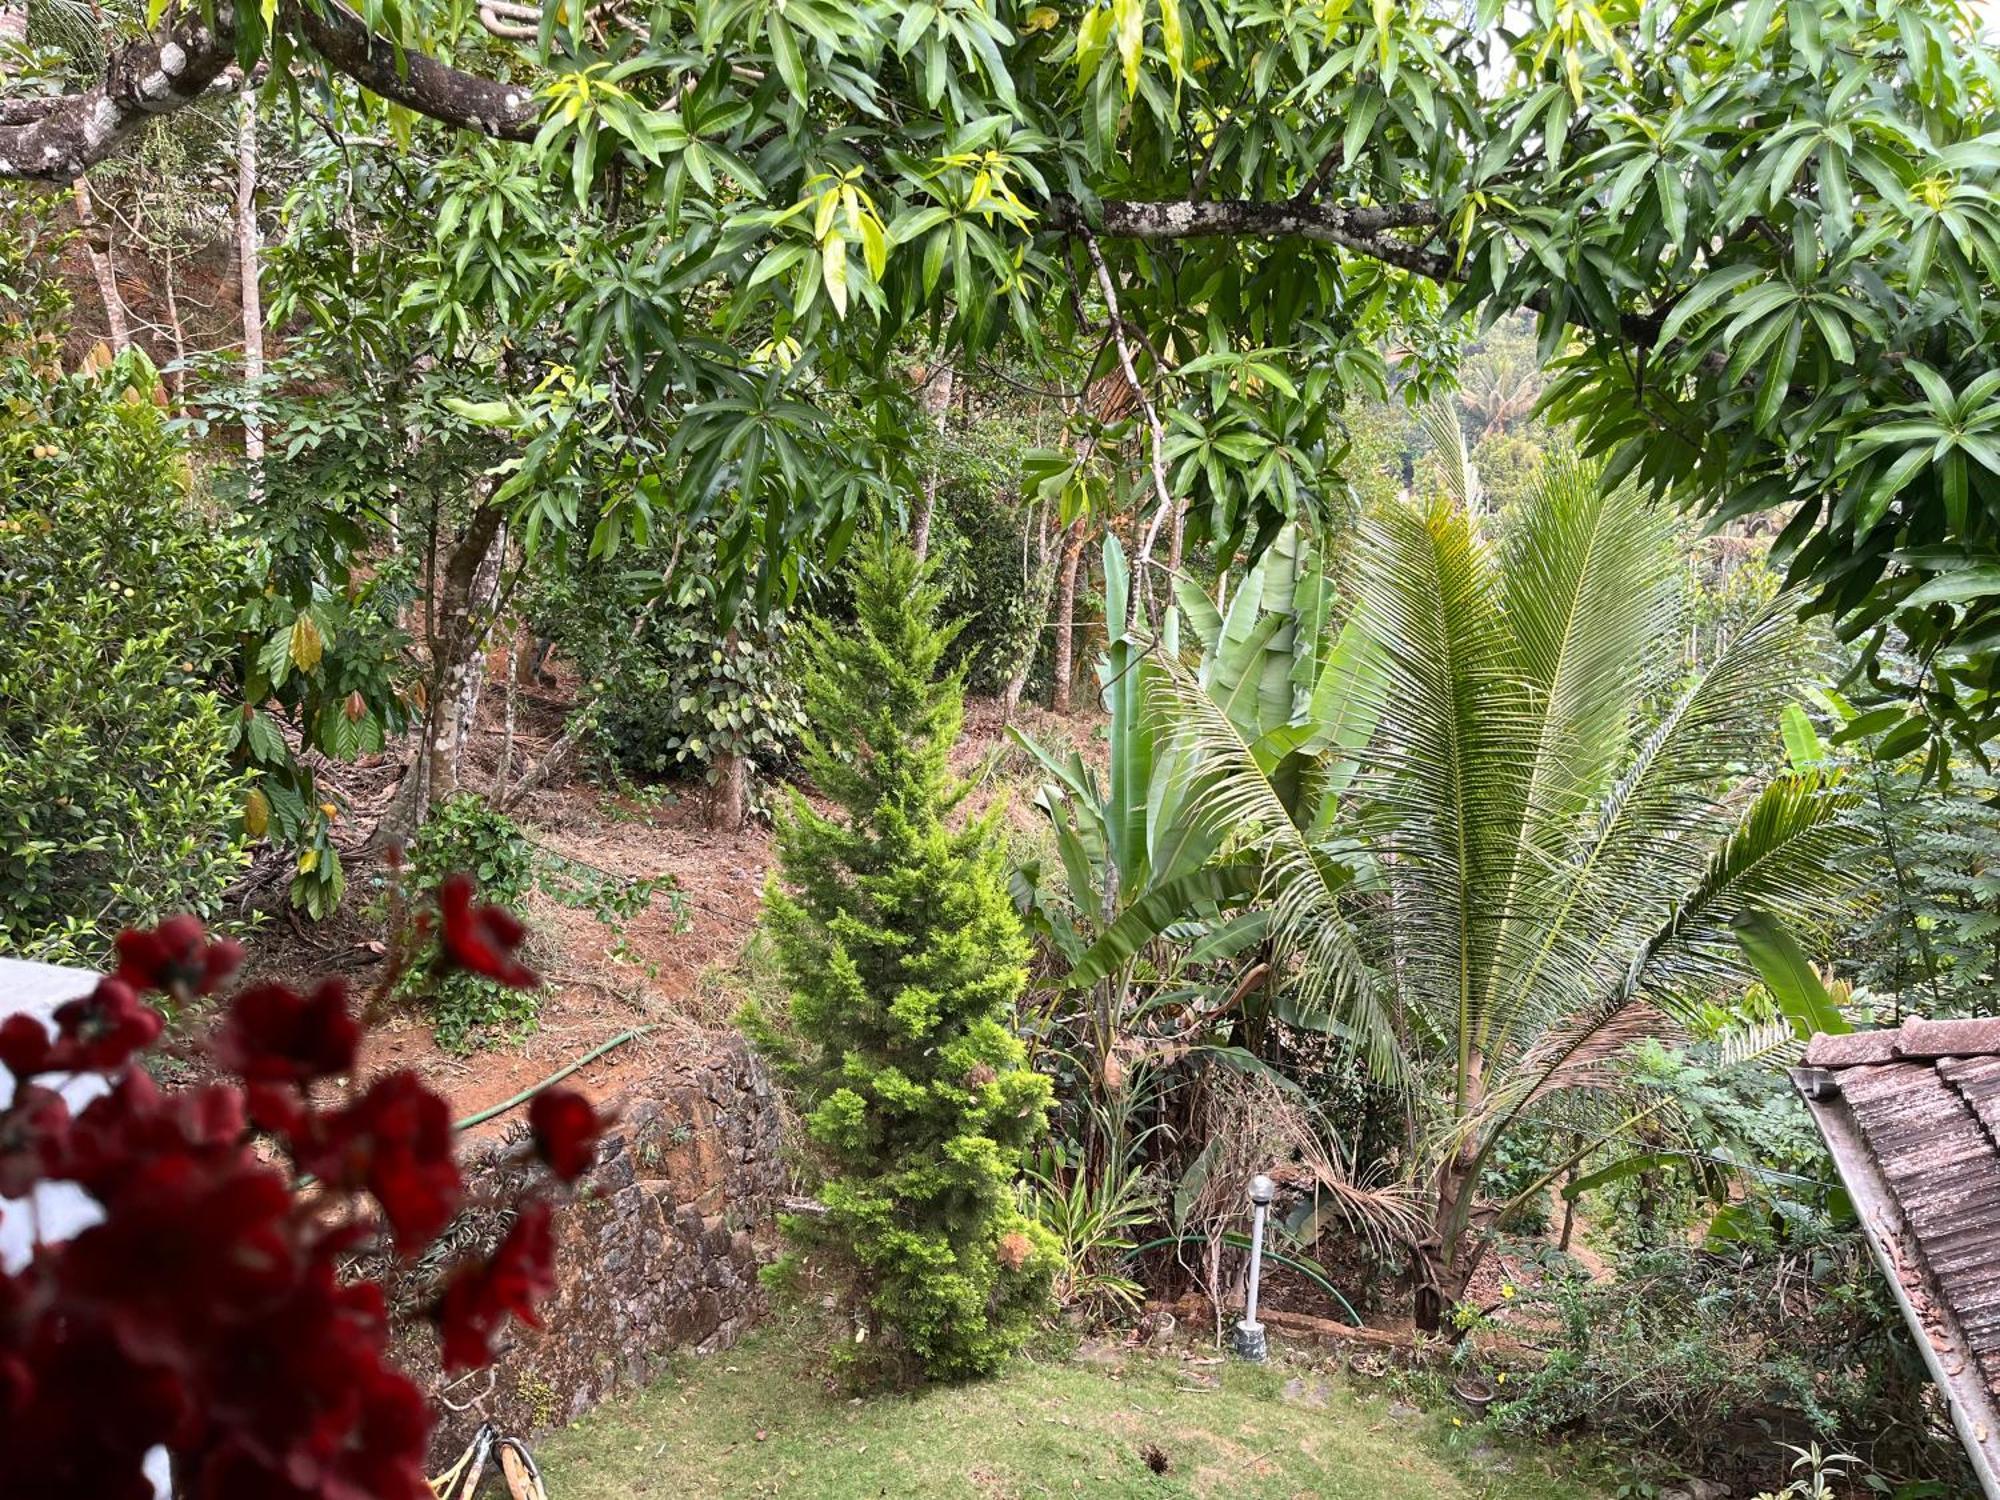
(903,956)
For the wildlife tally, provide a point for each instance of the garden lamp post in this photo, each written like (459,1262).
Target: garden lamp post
(1249,1332)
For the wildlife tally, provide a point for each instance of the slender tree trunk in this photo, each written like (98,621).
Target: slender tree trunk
(1041,583)
(506,768)
(103,270)
(937,401)
(176,376)
(486,610)
(1065,662)
(457,634)
(249,258)
(729,797)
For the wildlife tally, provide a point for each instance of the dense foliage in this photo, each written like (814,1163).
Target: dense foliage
(1764,227)
(668,689)
(465,834)
(903,960)
(117,800)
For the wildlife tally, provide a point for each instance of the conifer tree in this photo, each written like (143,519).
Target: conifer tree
(903,957)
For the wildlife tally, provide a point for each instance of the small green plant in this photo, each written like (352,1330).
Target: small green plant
(903,958)
(466,833)
(1817,1475)
(1092,1219)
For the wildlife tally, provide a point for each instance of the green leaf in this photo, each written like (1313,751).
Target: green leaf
(1793,984)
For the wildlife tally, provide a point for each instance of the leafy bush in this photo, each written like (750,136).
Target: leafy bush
(1745,1305)
(904,958)
(1706,1356)
(684,690)
(466,834)
(977,547)
(117,803)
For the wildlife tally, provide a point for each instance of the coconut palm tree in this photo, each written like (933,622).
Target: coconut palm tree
(1549,839)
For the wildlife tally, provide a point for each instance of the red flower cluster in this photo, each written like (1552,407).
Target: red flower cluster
(205,1311)
(566,1129)
(479,1298)
(480,939)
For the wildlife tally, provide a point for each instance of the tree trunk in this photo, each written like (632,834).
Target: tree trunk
(177,375)
(458,632)
(1041,582)
(506,767)
(729,798)
(485,604)
(249,258)
(1065,662)
(937,400)
(97,245)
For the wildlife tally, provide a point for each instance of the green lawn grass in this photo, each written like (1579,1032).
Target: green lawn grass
(752,1422)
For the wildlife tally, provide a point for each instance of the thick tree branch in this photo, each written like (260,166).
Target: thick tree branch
(413,80)
(152,76)
(56,140)
(1364,230)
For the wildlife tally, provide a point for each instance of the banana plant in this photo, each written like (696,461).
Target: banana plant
(1135,855)
(1140,851)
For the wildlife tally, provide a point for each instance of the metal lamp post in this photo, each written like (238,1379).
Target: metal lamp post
(1250,1333)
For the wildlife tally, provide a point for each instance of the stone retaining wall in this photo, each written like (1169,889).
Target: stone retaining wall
(659,1252)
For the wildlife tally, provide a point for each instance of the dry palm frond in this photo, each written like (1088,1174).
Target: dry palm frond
(1257,1125)
(1774,1042)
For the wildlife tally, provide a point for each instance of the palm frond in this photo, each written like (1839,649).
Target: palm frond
(1303,885)
(1439,420)
(1449,773)
(1589,595)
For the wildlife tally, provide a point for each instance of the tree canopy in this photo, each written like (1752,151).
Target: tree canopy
(1758,237)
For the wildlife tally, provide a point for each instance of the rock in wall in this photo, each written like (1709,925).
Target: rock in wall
(659,1251)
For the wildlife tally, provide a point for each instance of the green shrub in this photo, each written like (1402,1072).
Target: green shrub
(904,958)
(117,803)
(467,834)
(684,690)
(978,549)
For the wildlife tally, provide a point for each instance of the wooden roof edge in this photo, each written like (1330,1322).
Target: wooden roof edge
(1946,1352)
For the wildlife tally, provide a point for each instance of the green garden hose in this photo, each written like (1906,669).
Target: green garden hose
(556,1077)
(1242,1242)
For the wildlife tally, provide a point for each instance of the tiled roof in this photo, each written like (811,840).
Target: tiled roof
(1912,1117)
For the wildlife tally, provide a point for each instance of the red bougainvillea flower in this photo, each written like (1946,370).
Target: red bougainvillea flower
(395,1140)
(176,957)
(479,1297)
(102,1030)
(566,1131)
(480,939)
(33,1132)
(276,1035)
(24,1046)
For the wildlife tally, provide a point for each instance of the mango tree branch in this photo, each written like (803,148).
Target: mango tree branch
(57,140)
(1366,230)
(155,75)
(469,101)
